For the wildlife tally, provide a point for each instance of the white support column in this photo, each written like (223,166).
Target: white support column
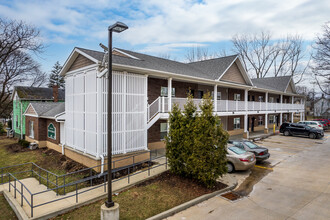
(246,99)
(266,124)
(215,94)
(99,117)
(169,94)
(281,118)
(281,101)
(146,115)
(266,100)
(246,132)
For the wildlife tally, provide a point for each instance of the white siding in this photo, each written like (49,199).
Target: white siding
(129,113)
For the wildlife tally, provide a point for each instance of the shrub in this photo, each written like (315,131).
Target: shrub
(24,143)
(1,128)
(196,143)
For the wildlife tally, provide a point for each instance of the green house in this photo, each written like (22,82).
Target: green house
(23,95)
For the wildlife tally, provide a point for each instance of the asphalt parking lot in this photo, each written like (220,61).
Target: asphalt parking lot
(294,183)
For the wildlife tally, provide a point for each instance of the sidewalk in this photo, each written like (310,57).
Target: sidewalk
(255,134)
(66,204)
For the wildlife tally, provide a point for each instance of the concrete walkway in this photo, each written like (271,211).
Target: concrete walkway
(298,187)
(255,134)
(66,204)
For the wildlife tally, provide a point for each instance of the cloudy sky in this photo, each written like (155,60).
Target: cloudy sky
(163,26)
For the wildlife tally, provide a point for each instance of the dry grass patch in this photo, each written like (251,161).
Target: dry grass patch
(148,199)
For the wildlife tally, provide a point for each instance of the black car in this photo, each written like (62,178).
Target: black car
(261,153)
(284,125)
(302,130)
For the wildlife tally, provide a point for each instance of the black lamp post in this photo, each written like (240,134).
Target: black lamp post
(117,27)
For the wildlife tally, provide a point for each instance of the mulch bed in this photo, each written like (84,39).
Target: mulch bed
(183,183)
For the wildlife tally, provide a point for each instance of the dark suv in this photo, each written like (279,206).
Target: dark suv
(301,129)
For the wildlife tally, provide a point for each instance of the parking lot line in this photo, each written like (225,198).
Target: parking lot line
(268,168)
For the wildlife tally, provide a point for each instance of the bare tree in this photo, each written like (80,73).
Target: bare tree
(321,68)
(17,40)
(263,56)
(167,56)
(198,54)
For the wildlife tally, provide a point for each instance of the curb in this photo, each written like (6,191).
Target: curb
(190,203)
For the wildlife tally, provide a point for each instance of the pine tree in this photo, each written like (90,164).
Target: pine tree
(196,143)
(55,78)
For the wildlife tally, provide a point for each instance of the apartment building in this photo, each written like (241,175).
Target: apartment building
(145,89)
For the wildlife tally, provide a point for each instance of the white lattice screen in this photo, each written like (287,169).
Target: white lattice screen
(129,112)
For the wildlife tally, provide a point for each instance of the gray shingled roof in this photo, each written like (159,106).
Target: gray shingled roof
(48,109)
(274,83)
(37,93)
(215,67)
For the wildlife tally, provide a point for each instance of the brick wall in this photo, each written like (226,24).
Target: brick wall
(256,96)
(154,131)
(230,125)
(40,129)
(181,88)
(231,93)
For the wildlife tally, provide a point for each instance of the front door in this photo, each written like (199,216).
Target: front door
(252,123)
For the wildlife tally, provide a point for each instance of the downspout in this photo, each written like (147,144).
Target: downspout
(102,163)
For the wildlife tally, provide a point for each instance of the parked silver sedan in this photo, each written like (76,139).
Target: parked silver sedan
(239,159)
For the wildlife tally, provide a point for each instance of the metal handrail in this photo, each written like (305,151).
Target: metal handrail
(32,206)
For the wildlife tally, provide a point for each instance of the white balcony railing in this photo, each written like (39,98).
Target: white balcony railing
(160,105)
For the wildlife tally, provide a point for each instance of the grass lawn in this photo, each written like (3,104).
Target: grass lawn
(6,211)
(148,199)
(11,154)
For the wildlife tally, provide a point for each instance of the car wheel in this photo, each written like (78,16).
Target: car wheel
(286,133)
(319,136)
(312,136)
(230,167)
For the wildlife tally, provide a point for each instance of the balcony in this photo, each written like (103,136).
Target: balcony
(160,105)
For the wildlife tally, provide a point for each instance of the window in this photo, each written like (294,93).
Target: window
(31,130)
(261,98)
(163,91)
(285,117)
(237,97)
(51,131)
(218,95)
(237,123)
(163,130)
(200,94)
(16,121)
(260,120)
(271,99)
(271,119)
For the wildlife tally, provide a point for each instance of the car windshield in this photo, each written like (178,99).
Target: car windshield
(251,145)
(237,150)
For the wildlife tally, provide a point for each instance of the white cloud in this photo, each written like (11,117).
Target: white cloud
(172,24)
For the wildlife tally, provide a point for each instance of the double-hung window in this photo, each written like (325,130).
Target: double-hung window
(31,130)
(164,91)
(260,120)
(237,123)
(261,98)
(237,97)
(218,95)
(163,130)
(271,119)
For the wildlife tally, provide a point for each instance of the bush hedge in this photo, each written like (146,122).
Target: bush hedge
(196,143)
(23,143)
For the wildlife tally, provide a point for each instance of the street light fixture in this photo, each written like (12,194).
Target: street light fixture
(117,27)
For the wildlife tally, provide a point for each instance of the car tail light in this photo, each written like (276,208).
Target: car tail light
(320,126)
(244,160)
(262,153)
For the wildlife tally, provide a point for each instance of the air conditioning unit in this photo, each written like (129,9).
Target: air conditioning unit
(33,146)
